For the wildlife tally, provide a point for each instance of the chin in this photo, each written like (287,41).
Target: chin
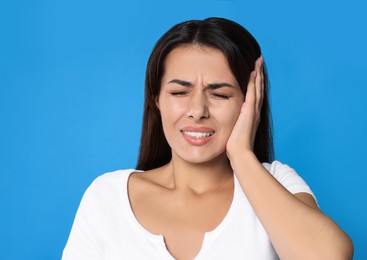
(200,158)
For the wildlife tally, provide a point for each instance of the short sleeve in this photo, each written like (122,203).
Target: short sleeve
(83,240)
(288,177)
(99,222)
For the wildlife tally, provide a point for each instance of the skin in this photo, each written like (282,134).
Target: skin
(192,194)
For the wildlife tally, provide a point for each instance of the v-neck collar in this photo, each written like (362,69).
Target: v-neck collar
(158,239)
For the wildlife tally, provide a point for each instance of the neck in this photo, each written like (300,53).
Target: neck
(199,177)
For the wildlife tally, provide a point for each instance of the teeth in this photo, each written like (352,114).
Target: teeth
(198,134)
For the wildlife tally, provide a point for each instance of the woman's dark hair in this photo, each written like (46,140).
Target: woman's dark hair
(241,50)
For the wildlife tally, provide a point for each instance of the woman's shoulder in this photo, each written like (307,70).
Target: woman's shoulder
(158,177)
(288,177)
(277,167)
(108,184)
(144,183)
(112,178)
(118,180)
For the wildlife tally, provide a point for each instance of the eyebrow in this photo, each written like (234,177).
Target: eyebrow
(210,86)
(181,82)
(219,85)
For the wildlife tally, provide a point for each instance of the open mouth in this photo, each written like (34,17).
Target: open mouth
(198,134)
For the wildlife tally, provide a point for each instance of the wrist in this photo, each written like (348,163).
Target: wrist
(242,158)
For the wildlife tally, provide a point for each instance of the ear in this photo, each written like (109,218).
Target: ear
(157,101)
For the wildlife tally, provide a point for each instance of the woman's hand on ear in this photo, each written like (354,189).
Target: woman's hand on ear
(243,133)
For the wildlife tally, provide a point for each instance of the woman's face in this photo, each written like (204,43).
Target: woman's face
(199,101)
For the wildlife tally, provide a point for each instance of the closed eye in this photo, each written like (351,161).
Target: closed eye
(179,93)
(220,96)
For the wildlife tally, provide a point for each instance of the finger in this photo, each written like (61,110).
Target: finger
(250,98)
(262,82)
(259,84)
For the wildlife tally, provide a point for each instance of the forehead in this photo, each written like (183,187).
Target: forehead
(197,59)
(186,52)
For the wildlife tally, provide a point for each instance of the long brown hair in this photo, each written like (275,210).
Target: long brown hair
(241,50)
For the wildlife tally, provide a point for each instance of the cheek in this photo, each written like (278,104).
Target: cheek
(171,111)
(229,115)
(230,122)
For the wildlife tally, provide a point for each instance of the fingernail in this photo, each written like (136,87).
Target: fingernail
(254,73)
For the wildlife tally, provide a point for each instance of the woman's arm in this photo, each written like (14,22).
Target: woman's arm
(296,226)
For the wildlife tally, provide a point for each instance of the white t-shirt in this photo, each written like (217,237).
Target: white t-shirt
(105,226)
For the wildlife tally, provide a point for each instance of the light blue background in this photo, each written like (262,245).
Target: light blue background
(71,81)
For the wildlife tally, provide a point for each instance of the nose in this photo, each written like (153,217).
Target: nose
(198,107)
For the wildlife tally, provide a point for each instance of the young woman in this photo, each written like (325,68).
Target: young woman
(206,185)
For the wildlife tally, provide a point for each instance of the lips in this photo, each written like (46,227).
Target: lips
(197,135)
